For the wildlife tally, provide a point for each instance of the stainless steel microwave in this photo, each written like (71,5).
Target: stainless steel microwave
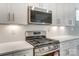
(39,16)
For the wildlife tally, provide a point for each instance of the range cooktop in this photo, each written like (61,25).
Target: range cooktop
(40,40)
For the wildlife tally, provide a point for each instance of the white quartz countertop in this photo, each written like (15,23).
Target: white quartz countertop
(64,37)
(14,46)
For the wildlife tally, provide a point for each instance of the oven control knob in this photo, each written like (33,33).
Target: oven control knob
(42,49)
(46,48)
(51,47)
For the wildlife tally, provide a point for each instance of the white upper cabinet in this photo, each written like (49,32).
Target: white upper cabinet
(14,13)
(4,13)
(69,14)
(65,14)
(59,14)
(19,13)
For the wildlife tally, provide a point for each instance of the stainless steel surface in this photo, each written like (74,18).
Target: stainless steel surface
(37,9)
(41,43)
(40,9)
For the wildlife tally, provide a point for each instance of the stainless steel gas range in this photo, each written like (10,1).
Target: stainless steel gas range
(42,45)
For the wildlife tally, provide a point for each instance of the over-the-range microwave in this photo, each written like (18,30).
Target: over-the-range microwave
(39,16)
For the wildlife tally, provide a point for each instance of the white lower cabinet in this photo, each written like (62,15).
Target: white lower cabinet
(21,53)
(69,52)
(78,50)
(73,51)
(69,48)
(24,53)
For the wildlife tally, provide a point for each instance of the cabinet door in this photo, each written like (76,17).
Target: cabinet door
(69,52)
(78,50)
(19,11)
(69,14)
(73,51)
(59,14)
(69,48)
(4,13)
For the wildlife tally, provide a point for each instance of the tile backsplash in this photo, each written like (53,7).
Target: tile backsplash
(10,33)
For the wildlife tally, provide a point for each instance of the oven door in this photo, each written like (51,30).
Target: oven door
(55,53)
(47,51)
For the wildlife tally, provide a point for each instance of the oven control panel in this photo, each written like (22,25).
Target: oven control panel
(42,50)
